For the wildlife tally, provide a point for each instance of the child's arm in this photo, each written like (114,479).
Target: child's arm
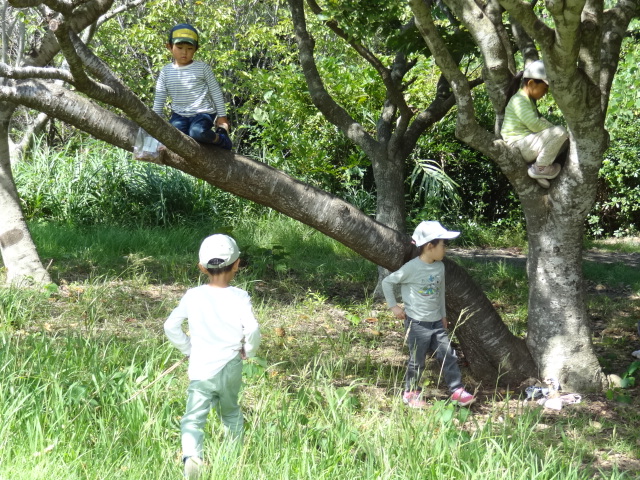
(250,330)
(388,285)
(216,96)
(174,332)
(160,94)
(524,110)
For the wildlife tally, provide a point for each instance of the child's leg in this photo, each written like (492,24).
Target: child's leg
(201,129)
(223,138)
(544,146)
(448,359)
(418,339)
(227,405)
(199,402)
(180,122)
(552,140)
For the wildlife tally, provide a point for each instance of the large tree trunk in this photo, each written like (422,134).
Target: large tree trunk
(18,250)
(559,333)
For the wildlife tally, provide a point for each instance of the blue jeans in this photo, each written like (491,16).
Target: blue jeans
(199,127)
(429,337)
(220,392)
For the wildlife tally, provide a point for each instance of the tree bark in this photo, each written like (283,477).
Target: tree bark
(18,250)
(494,354)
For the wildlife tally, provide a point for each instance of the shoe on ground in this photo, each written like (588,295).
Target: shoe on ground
(193,468)
(549,171)
(413,399)
(463,397)
(543,182)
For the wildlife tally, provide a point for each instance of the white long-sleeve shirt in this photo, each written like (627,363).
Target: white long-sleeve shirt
(221,322)
(422,289)
(193,89)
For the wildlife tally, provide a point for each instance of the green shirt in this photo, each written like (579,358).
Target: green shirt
(521,118)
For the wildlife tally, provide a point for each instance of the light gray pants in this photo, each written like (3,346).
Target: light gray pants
(220,392)
(542,147)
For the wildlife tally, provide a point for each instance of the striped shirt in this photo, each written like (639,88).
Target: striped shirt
(521,118)
(193,89)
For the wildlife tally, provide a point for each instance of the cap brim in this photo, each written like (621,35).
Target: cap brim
(440,236)
(185,40)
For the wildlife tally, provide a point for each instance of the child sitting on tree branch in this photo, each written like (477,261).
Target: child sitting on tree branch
(196,99)
(537,139)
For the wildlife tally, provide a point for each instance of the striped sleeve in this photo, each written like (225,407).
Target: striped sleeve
(161,94)
(214,91)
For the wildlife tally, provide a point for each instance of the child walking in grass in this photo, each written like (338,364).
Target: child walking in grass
(223,332)
(538,140)
(422,287)
(197,104)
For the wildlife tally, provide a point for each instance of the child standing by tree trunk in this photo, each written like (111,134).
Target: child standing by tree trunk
(538,140)
(223,332)
(425,319)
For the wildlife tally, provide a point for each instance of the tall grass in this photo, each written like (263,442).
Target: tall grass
(89,182)
(64,401)
(322,401)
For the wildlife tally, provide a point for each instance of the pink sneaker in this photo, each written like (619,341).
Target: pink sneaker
(463,397)
(414,399)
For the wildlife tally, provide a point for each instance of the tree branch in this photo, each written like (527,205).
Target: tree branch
(319,95)
(389,79)
(615,21)
(118,10)
(82,81)
(234,173)
(467,128)
(19,73)
(83,16)
(523,13)
(66,8)
(498,56)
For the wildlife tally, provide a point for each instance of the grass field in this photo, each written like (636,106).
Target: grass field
(78,362)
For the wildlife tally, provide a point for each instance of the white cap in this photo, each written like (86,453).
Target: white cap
(218,251)
(431,230)
(536,70)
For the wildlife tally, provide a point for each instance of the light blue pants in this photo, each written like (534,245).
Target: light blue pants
(220,392)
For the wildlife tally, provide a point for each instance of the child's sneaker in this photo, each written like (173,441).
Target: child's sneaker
(463,397)
(549,171)
(414,399)
(192,468)
(222,138)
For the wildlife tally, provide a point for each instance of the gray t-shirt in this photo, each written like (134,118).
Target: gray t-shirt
(422,289)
